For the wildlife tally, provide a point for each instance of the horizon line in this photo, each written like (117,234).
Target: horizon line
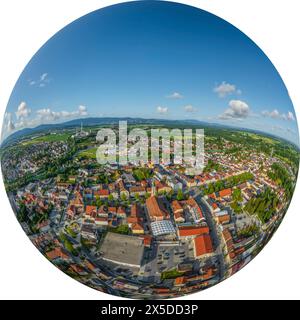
(157,119)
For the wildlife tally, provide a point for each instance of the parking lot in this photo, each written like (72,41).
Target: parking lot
(165,257)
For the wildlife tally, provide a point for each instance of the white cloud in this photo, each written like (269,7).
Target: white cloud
(8,125)
(175,95)
(47,114)
(25,119)
(290,116)
(190,108)
(272,114)
(23,111)
(82,110)
(43,77)
(225,89)
(162,110)
(41,81)
(8,122)
(275,114)
(237,110)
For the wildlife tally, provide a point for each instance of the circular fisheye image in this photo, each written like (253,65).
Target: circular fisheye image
(149,150)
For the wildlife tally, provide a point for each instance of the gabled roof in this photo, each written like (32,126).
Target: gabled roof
(192,231)
(155,208)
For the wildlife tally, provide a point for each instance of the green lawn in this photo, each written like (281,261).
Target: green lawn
(171,274)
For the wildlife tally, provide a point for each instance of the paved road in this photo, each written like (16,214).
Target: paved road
(215,234)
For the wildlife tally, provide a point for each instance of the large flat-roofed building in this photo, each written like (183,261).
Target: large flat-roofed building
(164,227)
(123,250)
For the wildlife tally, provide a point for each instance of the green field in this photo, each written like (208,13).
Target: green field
(89,153)
(262,138)
(48,138)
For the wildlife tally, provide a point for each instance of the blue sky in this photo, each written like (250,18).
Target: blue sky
(152,59)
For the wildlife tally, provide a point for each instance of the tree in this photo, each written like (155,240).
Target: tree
(180,195)
(122,229)
(137,197)
(237,195)
(99,202)
(123,196)
(22,213)
(264,205)
(170,195)
(236,207)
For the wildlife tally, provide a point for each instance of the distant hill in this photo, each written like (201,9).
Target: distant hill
(93,121)
(98,121)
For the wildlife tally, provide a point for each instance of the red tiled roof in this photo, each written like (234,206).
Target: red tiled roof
(137,226)
(225,192)
(203,245)
(56,253)
(227,236)
(134,210)
(224,218)
(102,192)
(214,205)
(132,219)
(147,240)
(180,281)
(192,231)
(208,274)
(155,209)
(176,206)
(121,210)
(91,211)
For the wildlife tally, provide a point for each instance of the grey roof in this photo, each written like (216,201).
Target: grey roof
(122,249)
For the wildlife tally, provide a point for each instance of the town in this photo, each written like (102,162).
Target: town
(150,230)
